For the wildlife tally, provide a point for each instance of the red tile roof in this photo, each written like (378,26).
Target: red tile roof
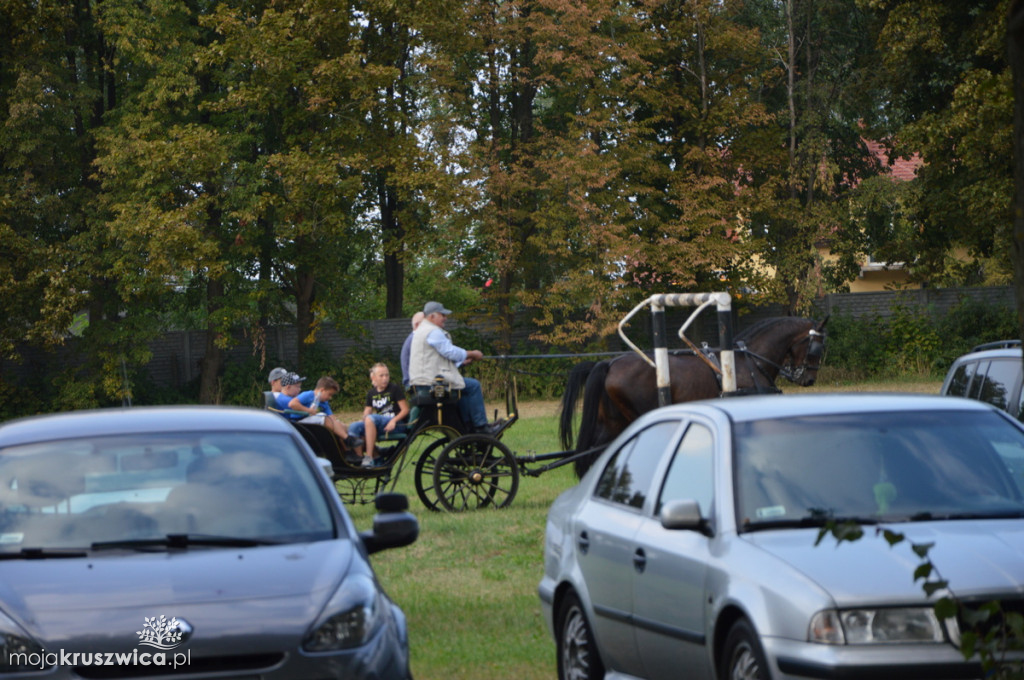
(902,169)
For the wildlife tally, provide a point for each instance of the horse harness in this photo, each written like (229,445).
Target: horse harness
(815,350)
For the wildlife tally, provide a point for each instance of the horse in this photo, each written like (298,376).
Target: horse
(617,391)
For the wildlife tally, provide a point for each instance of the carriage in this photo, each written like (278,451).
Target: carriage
(455,468)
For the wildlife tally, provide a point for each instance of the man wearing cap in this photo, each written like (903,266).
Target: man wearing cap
(432,353)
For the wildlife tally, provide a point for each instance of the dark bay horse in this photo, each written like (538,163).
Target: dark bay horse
(617,391)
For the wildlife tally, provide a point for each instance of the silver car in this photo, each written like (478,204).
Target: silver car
(689,550)
(203,542)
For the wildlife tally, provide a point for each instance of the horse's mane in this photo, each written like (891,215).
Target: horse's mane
(764,325)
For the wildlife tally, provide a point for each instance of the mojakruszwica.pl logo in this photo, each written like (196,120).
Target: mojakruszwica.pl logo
(160,633)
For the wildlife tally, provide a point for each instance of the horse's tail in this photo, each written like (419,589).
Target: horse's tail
(593,434)
(573,392)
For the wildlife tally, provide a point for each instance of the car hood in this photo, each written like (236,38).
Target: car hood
(978,558)
(101,602)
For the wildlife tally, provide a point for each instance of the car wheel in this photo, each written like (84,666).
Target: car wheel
(742,657)
(578,658)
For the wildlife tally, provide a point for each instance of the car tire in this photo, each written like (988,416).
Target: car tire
(742,656)
(578,658)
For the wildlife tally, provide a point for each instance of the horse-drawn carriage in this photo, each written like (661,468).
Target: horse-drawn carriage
(455,468)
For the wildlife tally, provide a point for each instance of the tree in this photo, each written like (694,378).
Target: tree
(945,92)
(56,87)
(163,165)
(802,176)
(1015,56)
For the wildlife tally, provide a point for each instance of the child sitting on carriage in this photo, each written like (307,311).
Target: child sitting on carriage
(313,406)
(385,411)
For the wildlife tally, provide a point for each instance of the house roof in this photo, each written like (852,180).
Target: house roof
(901,169)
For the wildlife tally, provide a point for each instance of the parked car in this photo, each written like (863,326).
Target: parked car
(991,373)
(688,550)
(207,541)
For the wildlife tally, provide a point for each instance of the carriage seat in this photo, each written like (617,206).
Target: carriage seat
(440,392)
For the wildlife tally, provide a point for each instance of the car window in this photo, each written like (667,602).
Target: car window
(885,466)
(961,379)
(146,486)
(974,390)
(689,476)
(999,382)
(629,474)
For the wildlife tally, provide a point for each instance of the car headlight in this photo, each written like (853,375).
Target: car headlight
(876,626)
(351,617)
(19,653)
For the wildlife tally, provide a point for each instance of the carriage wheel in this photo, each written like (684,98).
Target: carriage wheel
(475,471)
(424,477)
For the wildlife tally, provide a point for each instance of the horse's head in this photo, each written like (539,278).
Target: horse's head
(803,359)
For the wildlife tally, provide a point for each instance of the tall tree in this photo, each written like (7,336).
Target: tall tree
(805,173)
(946,94)
(56,86)
(174,173)
(1015,57)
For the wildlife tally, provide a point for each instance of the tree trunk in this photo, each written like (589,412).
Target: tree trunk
(393,236)
(304,295)
(212,364)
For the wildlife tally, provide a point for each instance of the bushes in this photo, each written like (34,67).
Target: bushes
(912,341)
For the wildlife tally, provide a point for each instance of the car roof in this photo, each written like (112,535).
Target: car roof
(1009,352)
(758,407)
(113,421)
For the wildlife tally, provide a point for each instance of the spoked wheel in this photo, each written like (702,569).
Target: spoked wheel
(577,652)
(742,656)
(427,460)
(475,471)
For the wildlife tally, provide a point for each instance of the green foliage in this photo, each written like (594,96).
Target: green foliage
(243,383)
(222,165)
(971,323)
(912,340)
(853,348)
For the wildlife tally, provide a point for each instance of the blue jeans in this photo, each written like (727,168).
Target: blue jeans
(471,403)
(358,428)
(471,406)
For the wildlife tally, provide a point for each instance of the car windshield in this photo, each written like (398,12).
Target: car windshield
(867,467)
(140,489)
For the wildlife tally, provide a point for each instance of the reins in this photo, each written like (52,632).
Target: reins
(816,348)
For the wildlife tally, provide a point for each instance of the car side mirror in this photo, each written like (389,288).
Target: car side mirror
(391,502)
(684,515)
(393,525)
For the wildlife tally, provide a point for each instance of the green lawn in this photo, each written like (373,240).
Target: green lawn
(469,584)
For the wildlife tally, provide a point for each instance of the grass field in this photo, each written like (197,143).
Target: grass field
(469,584)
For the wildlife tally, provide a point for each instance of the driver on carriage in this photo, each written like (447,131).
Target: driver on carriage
(432,354)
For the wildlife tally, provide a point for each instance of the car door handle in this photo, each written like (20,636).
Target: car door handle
(639,560)
(583,543)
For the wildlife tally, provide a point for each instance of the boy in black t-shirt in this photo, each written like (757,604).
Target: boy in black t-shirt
(385,411)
